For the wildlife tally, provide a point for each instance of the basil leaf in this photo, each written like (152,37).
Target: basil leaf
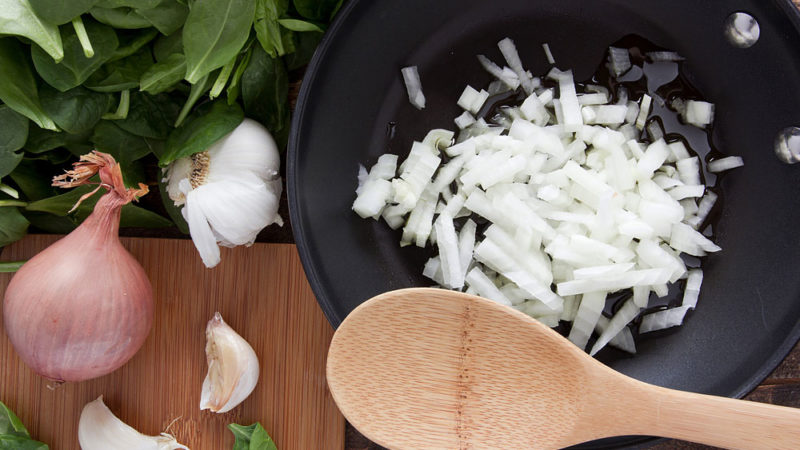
(164,74)
(33,180)
(125,147)
(321,10)
(20,443)
(210,123)
(167,45)
(305,45)
(265,93)
(60,11)
(234,87)
(13,134)
(18,18)
(213,34)
(41,140)
(76,68)
(125,18)
(298,25)
(18,89)
(49,223)
(130,41)
(143,4)
(252,437)
(10,423)
(150,116)
(268,30)
(122,74)
(13,227)
(168,16)
(75,111)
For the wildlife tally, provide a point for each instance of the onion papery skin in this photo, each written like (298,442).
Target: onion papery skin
(83,307)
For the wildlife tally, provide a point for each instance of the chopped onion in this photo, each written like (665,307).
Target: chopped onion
(413,86)
(727,163)
(548,53)
(698,113)
(660,320)
(619,60)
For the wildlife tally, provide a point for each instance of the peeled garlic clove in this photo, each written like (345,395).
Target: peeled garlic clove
(100,429)
(232,368)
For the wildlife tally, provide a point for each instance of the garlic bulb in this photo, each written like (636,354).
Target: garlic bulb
(100,429)
(229,192)
(232,368)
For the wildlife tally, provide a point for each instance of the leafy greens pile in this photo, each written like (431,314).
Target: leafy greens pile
(13,435)
(148,81)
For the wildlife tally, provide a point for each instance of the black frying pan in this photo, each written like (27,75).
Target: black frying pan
(747,317)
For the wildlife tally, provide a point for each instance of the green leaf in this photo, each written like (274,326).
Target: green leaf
(299,25)
(20,443)
(142,4)
(265,93)
(125,147)
(168,16)
(10,266)
(150,116)
(268,30)
(305,45)
(197,91)
(48,223)
(13,134)
(164,74)
(214,32)
(76,110)
(13,227)
(252,437)
(125,18)
(76,68)
(122,74)
(32,179)
(167,45)
(18,18)
(320,10)
(235,87)
(41,140)
(10,423)
(130,41)
(173,211)
(18,89)
(210,123)
(60,11)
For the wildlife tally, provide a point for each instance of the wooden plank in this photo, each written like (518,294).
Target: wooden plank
(260,291)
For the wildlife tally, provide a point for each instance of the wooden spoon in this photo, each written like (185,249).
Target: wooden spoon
(431,368)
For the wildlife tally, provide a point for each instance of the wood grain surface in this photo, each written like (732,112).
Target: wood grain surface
(260,291)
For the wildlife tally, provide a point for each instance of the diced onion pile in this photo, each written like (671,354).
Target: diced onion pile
(558,206)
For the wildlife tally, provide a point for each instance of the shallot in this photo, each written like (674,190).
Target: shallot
(82,307)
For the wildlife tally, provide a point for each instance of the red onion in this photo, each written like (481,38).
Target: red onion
(82,307)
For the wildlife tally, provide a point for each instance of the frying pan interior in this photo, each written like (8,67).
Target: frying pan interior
(747,315)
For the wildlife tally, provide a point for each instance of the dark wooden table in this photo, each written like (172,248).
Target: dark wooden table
(781,387)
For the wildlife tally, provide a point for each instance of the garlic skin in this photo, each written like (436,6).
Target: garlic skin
(232,368)
(229,192)
(100,429)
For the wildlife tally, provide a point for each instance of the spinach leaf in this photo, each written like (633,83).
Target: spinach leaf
(168,16)
(41,140)
(265,93)
(210,123)
(214,32)
(18,89)
(125,147)
(60,11)
(299,25)
(305,45)
(122,74)
(140,4)
(75,68)
(32,177)
(235,87)
(13,226)
(164,74)
(252,437)
(49,223)
(268,30)
(167,45)
(13,134)
(76,110)
(125,18)
(150,116)
(17,18)
(173,211)
(20,443)
(132,215)
(10,423)
(197,91)
(322,10)
(130,41)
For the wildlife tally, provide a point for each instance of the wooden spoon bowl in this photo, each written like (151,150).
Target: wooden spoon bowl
(431,368)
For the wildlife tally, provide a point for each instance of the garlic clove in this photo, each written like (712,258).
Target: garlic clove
(232,368)
(100,429)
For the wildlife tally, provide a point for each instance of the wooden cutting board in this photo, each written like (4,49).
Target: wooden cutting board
(260,291)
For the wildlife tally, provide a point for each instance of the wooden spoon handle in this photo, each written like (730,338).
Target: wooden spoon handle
(720,421)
